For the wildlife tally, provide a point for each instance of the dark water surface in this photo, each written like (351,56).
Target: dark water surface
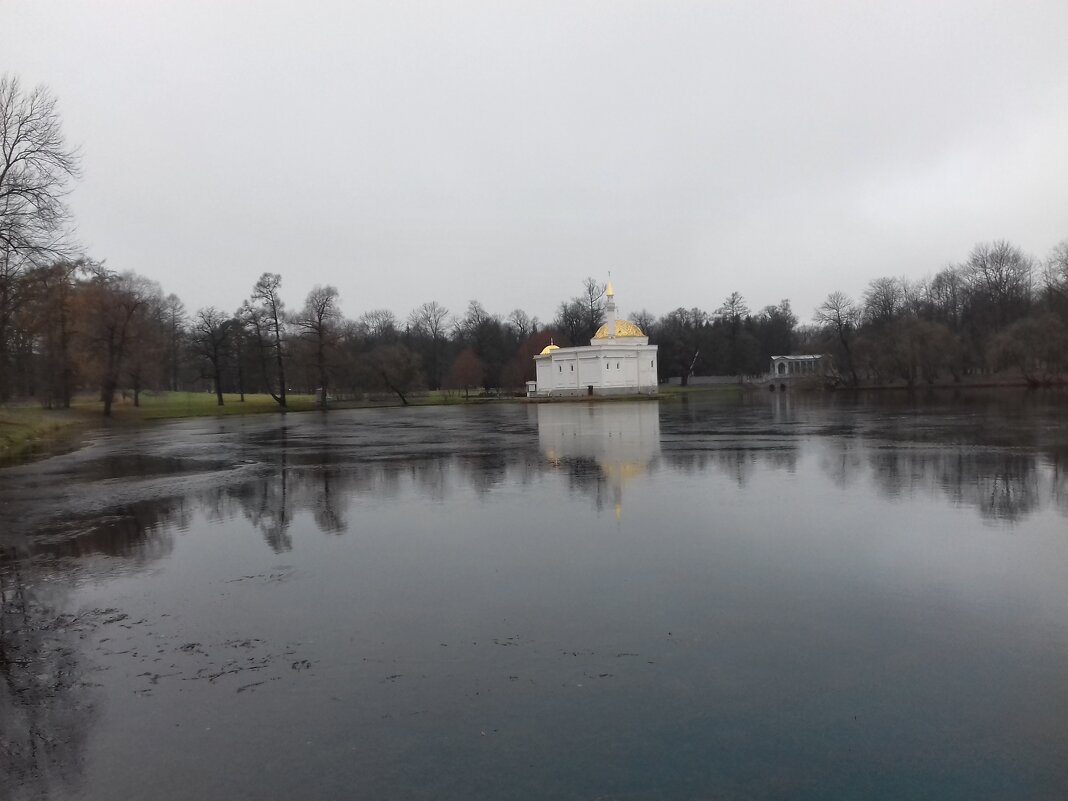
(776,598)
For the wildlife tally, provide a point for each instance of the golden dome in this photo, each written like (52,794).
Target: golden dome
(624,328)
(549,349)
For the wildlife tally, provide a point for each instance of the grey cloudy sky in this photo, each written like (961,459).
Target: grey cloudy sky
(414,151)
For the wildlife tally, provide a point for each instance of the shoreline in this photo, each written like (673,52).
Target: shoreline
(30,433)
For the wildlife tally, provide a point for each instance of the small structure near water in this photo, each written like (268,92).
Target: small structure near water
(789,369)
(793,366)
(618,361)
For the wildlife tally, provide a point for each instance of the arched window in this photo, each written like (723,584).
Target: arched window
(572,368)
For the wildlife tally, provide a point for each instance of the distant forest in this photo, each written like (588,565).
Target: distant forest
(69,324)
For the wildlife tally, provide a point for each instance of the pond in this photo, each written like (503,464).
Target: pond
(767,598)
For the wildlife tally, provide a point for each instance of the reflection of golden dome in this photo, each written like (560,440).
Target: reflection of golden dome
(625,471)
(549,349)
(624,328)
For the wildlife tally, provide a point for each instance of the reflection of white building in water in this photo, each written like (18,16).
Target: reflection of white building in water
(621,438)
(618,361)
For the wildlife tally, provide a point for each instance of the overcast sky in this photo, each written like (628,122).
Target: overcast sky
(503,151)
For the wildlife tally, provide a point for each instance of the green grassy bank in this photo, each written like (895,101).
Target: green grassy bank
(26,430)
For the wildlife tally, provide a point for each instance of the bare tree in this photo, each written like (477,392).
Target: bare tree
(396,368)
(238,350)
(254,326)
(644,320)
(148,339)
(210,337)
(431,321)
(379,324)
(1055,277)
(593,304)
(49,302)
(430,318)
(946,296)
(319,322)
(174,322)
(1000,276)
(1034,345)
(271,326)
(521,324)
(11,287)
(1058,261)
(109,304)
(840,315)
(35,168)
(570,320)
(475,319)
(883,301)
(734,310)
(466,372)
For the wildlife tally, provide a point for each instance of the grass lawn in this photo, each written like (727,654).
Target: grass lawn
(167,405)
(674,391)
(25,429)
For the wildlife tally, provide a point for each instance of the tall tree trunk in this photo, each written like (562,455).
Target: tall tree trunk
(109,395)
(281,375)
(321,358)
(849,359)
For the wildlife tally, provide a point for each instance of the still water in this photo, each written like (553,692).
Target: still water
(774,598)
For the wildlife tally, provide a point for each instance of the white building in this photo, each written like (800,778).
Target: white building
(618,361)
(803,365)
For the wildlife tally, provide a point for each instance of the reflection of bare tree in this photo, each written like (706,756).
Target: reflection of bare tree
(841,460)
(1059,481)
(139,532)
(585,475)
(328,503)
(45,713)
(735,459)
(484,471)
(1002,485)
(264,504)
(431,476)
(1010,493)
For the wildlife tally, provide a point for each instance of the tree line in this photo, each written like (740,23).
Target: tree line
(998,309)
(69,323)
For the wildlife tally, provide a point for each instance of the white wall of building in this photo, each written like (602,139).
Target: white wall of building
(611,365)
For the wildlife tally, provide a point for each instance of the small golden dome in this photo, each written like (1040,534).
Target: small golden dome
(549,349)
(624,328)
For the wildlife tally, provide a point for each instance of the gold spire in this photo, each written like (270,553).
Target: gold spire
(608,289)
